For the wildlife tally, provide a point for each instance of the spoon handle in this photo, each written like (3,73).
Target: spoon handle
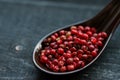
(108,19)
(111,17)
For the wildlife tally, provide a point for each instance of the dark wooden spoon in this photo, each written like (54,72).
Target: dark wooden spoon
(107,20)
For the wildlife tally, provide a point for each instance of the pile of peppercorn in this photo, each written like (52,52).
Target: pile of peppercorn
(67,50)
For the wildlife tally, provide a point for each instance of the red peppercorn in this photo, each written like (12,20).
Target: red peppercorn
(83,42)
(70,43)
(75,65)
(104,34)
(84,48)
(61,58)
(55,62)
(56,68)
(80,56)
(80,34)
(99,34)
(80,51)
(62,46)
(73,49)
(73,31)
(96,49)
(70,38)
(100,39)
(94,40)
(76,59)
(65,43)
(89,33)
(74,37)
(87,28)
(53,51)
(47,51)
(60,50)
(84,56)
(89,43)
(81,28)
(95,35)
(61,63)
(52,44)
(68,51)
(55,46)
(96,46)
(63,37)
(70,67)
(63,69)
(77,40)
(99,43)
(94,53)
(56,56)
(79,63)
(43,59)
(69,60)
(68,34)
(82,64)
(87,52)
(43,54)
(62,32)
(73,28)
(50,57)
(85,36)
(51,66)
(59,42)
(91,47)
(48,63)
(67,55)
(53,38)
(56,35)
(74,54)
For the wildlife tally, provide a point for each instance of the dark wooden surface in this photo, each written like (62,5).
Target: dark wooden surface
(24,22)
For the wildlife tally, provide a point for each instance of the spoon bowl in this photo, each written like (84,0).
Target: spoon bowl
(107,20)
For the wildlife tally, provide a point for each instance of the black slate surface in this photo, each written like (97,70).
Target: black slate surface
(24,22)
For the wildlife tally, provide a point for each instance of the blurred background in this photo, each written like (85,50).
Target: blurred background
(24,22)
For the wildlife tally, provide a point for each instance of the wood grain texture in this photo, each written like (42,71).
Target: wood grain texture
(23,24)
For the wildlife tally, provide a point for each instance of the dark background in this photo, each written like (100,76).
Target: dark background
(24,22)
